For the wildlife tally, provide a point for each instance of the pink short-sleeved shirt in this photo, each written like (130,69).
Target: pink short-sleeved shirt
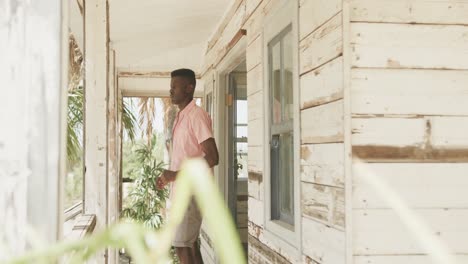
(192,126)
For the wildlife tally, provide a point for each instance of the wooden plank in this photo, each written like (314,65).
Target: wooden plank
(255,159)
(324,203)
(256,21)
(323,244)
(251,6)
(254,53)
(314,13)
(33,70)
(449,132)
(255,186)
(255,80)
(379,232)
(255,106)
(382,91)
(414,11)
(409,46)
(256,212)
(397,132)
(322,85)
(95,123)
(404,259)
(414,183)
(226,19)
(323,164)
(325,44)
(322,124)
(256,132)
(112,152)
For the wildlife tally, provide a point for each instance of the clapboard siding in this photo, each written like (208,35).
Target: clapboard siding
(255,106)
(256,211)
(322,124)
(449,132)
(397,132)
(256,132)
(325,203)
(409,46)
(384,232)
(402,91)
(410,11)
(254,53)
(314,13)
(323,45)
(405,259)
(255,160)
(419,185)
(322,85)
(255,80)
(322,243)
(323,164)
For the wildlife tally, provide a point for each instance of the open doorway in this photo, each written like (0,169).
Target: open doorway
(237,149)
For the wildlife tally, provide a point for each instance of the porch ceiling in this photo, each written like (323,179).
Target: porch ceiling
(161,35)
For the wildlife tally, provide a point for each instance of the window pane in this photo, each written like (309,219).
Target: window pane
(287,77)
(275,73)
(241,158)
(286,165)
(242,113)
(242,132)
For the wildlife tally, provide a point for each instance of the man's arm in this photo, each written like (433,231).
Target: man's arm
(211,157)
(211,152)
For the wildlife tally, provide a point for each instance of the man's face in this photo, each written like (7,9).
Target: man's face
(180,90)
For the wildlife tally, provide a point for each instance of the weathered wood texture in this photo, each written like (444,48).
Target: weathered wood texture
(33,71)
(443,12)
(323,203)
(411,139)
(259,253)
(315,13)
(322,46)
(409,46)
(411,92)
(429,185)
(323,164)
(322,243)
(112,151)
(96,115)
(382,232)
(322,124)
(404,259)
(323,85)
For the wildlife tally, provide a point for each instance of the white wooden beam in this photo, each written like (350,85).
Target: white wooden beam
(33,116)
(96,17)
(151,86)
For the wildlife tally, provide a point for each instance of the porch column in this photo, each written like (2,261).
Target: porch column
(96,53)
(33,70)
(113,147)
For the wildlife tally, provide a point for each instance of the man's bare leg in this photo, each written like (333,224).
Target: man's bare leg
(185,255)
(196,253)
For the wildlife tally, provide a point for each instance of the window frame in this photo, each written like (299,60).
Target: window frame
(281,234)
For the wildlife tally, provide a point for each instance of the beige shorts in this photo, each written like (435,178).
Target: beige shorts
(189,229)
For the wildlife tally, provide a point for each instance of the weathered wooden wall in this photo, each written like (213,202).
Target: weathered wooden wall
(322,148)
(409,94)
(33,70)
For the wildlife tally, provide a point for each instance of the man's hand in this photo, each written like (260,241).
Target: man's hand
(166,177)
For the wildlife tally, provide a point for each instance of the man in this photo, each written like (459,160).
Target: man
(192,137)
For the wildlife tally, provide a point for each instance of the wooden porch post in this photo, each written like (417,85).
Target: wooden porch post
(96,53)
(33,70)
(114,163)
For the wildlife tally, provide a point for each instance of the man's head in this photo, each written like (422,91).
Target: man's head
(182,86)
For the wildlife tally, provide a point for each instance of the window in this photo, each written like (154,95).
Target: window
(281,111)
(209,104)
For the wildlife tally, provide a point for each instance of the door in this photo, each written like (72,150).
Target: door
(237,148)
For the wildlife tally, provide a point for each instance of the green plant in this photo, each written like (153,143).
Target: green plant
(148,246)
(145,200)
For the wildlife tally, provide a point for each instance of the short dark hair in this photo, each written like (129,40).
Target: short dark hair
(187,74)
